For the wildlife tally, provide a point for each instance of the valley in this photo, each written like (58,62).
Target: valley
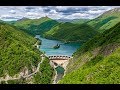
(88,52)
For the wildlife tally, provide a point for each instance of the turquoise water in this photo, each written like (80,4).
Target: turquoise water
(65,49)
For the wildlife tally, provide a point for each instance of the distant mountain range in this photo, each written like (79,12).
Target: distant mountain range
(72,20)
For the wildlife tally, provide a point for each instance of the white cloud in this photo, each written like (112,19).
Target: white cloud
(12,11)
(77,15)
(33,15)
(97,11)
(61,7)
(54,12)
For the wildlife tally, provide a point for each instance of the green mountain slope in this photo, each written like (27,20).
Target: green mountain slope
(71,32)
(18,53)
(83,32)
(97,61)
(80,21)
(106,20)
(35,26)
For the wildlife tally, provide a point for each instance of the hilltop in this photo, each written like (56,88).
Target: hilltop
(84,30)
(35,26)
(105,21)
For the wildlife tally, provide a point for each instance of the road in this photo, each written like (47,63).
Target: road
(11,78)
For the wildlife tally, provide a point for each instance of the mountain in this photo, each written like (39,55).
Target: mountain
(69,32)
(64,20)
(18,55)
(35,26)
(74,21)
(80,21)
(106,20)
(97,61)
(85,28)
(24,18)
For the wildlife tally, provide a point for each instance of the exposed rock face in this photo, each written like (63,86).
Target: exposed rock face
(115,10)
(25,71)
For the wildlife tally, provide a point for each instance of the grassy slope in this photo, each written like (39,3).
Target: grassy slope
(17,52)
(71,32)
(45,77)
(97,61)
(36,26)
(80,21)
(106,20)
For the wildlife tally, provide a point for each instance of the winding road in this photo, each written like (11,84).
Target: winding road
(11,78)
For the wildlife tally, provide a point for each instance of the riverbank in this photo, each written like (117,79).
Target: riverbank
(64,41)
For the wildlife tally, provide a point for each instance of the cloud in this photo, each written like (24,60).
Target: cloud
(12,11)
(33,15)
(54,12)
(95,11)
(9,17)
(77,15)
(29,8)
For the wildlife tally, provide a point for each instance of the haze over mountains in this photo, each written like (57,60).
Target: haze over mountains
(97,61)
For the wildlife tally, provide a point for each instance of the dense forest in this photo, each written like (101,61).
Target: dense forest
(17,52)
(69,32)
(97,61)
(35,26)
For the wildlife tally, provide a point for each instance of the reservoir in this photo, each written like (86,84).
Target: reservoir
(65,49)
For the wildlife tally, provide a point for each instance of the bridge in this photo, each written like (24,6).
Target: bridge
(59,57)
(59,60)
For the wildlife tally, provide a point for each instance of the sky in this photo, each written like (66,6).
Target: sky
(10,13)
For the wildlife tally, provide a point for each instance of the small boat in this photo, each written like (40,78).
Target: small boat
(56,46)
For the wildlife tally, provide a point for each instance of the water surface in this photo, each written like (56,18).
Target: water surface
(65,49)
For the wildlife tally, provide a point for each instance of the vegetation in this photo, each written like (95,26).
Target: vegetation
(109,36)
(76,31)
(18,81)
(69,32)
(16,50)
(97,71)
(106,20)
(45,74)
(97,61)
(35,26)
(80,21)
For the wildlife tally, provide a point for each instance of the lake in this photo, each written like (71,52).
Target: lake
(65,49)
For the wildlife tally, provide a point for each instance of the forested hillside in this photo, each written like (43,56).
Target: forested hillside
(69,32)
(35,26)
(18,54)
(82,32)
(97,61)
(105,21)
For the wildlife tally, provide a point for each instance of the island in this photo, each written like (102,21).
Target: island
(56,46)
